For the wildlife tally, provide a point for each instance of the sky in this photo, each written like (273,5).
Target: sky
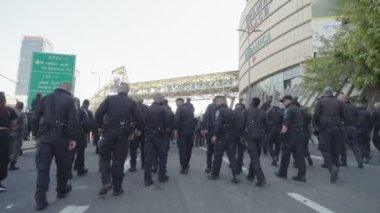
(153,39)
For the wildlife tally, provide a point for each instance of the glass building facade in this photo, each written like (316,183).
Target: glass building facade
(276,37)
(29,45)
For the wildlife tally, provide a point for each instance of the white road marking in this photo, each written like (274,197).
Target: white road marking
(74,209)
(28,150)
(8,207)
(316,157)
(245,170)
(80,187)
(311,204)
(127,165)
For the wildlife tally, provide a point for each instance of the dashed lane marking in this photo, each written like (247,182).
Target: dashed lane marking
(316,157)
(74,209)
(309,203)
(127,165)
(80,187)
(8,207)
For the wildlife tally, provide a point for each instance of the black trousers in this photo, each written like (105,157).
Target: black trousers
(155,147)
(240,148)
(376,138)
(307,136)
(5,140)
(254,147)
(364,142)
(113,147)
(185,146)
(225,144)
(210,148)
(52,146)
(272,141)
(350,137)
(330,138)
(133,147)
(293,142)
(79,154)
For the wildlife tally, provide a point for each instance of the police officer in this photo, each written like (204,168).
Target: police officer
(157,127)
(18,134)
(292,140)
(307,118)
(55,124)
(376,126)
(169,111)
(8,119)
(364,130)
(254,127)
(138,140)
(92,124)
(273,128)
(224,139)
(208,128)
(350,133)
(79,164)
(240,144)
(120,111)
(184,130)
(328,116)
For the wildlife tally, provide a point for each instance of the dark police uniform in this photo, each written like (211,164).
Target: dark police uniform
(254,127)
(120,111)
(225,140)
(307,119)
(209,125)
(364,129)
(138,141)
(82,142)
(157,128)
(240,147)
(273,128)
(376,128)
(350,134)
(184,124)
(328,114)
(7,115)
(293,141)
(55,123)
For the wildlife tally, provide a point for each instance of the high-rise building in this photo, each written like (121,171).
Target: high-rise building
(30,44)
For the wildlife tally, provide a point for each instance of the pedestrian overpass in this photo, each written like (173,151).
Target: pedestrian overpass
(197,87)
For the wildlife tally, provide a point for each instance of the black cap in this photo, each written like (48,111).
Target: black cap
(287,97)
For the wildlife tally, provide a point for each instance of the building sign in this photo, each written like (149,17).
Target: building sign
(258,13)
(257,45)
(48,72)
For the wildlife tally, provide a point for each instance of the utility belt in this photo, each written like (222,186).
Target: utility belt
(60,129)
(158,132)
(127,127)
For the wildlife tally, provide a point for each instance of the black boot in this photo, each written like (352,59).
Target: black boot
(65,192)
(12,166)
(105,188)
(41,205)
(82,172)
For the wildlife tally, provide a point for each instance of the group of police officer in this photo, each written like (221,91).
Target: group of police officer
(61,128)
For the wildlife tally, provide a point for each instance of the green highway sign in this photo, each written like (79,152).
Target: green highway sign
(49,70)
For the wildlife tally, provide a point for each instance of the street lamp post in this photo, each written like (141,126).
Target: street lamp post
(98,79)
(249,60)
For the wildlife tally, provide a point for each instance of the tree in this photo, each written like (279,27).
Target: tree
(353,55)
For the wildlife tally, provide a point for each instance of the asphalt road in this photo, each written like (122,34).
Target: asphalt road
(356,190)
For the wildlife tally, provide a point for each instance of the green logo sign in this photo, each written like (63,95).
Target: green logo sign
(258,44)
(48,72)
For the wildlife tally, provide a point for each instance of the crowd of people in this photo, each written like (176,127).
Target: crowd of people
(120,125)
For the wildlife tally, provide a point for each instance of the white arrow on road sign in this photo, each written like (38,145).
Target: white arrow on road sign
(39,62)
